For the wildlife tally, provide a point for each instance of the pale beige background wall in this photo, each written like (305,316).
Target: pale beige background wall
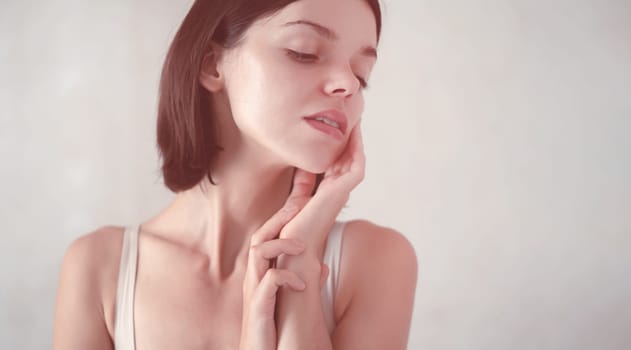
(498,142)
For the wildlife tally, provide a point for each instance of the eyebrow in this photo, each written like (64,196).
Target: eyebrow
(329,34)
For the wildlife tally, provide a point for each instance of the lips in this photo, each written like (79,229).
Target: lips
(332,116)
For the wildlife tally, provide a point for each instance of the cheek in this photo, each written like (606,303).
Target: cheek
(270,85)
(285,85)
(260,94)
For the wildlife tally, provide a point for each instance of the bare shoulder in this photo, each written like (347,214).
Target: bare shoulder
(94,252)
(377,282)
(369,246)
(95,258)
(87,287)
(370,255)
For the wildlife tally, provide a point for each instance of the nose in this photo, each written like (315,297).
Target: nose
(342,81)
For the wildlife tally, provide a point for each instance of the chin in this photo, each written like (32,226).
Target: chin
(314,157)
(314,164)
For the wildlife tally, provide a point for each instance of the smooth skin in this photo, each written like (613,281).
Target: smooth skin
(204,279)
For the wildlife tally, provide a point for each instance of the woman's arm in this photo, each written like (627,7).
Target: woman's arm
(300,319)
(379,270)
(79,315)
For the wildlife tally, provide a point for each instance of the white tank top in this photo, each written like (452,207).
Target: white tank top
(124,337)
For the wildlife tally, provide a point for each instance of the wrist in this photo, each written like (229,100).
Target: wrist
(307,265)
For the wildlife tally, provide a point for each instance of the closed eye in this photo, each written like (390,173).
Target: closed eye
(302,57)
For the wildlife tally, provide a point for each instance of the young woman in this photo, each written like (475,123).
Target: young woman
(256,98)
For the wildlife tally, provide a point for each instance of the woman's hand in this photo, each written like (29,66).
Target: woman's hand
(300,318)
(261,282)
(348,170)
(313,223)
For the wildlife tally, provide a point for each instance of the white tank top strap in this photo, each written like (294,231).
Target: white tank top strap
(332,257)
(124,338)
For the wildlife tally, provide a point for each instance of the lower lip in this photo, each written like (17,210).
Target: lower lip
(325,128)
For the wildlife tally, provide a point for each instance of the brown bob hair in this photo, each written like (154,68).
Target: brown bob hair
(186,130)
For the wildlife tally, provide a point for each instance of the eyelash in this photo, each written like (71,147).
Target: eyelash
(310,58)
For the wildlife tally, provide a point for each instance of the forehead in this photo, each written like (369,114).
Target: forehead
(349,20)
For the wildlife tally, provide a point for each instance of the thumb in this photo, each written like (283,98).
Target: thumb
(301,190)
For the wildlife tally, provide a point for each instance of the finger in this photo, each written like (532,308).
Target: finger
(270,228)
(344,160)
(358,163)
(272,249)
(302,185)
(302,188)
(355,148)
(274,279)
(301,191)
(354,139)
(260,255)
(353,160)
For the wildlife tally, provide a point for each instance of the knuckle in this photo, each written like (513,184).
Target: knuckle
(272,273)
(256,251)
(275,275)
(288,211)
(255,239)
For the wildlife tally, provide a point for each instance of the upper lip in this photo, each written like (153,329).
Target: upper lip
(335,115)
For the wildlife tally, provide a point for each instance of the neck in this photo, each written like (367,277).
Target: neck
(218,220)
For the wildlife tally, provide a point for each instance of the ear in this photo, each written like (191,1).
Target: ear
(211,76)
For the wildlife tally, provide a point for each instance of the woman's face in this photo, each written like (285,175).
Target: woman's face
(313,56)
